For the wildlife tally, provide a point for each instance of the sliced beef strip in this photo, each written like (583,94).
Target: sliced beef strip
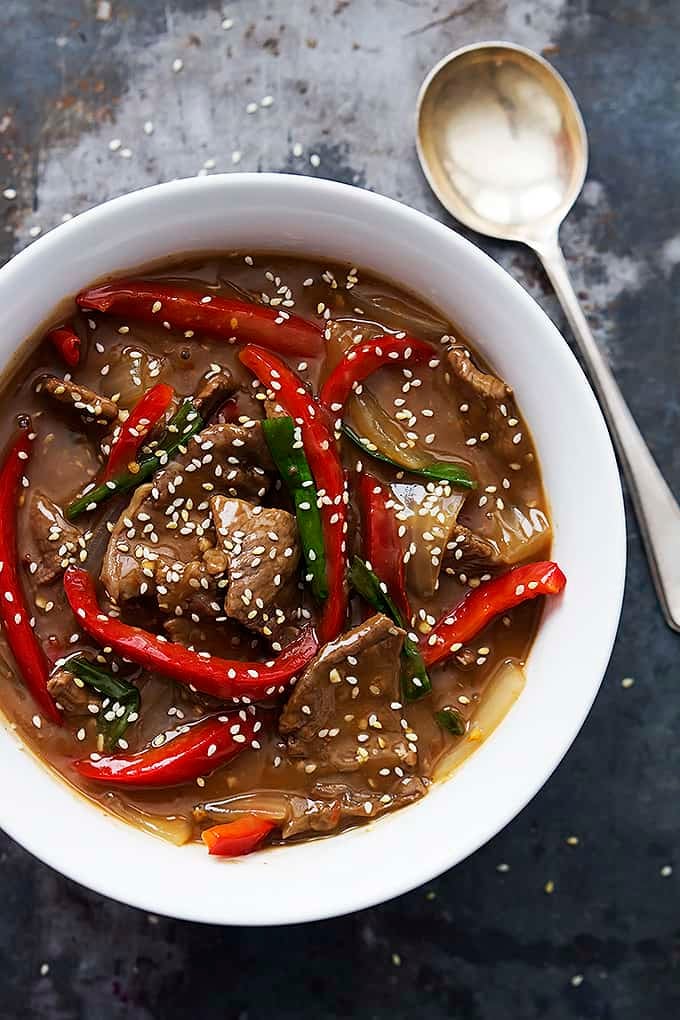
(164,543)
(339,717)
(71,694)
(485,385)
(212,390)
(223,458)
(514,532)
(262,548)
(497,396)
(58,541)
(327,806)
(91,406)
(122,572)
(190,586)
(173,569)
(466,547)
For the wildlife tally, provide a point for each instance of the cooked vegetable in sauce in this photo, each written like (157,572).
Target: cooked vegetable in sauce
(273,548)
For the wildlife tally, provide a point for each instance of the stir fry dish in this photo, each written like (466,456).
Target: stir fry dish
(273,548)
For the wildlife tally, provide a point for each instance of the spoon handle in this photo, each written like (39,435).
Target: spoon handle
(657,510)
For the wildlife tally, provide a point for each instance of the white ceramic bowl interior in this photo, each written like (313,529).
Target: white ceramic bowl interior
(320,879)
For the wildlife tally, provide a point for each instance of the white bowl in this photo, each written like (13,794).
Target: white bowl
(358,868)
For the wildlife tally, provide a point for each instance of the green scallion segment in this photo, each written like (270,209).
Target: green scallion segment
(415,682)
(436,469)
(367,583)
(289,457)
(121,698)
(450,719)
(184,424)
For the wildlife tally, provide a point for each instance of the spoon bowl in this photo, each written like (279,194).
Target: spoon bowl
(501,140)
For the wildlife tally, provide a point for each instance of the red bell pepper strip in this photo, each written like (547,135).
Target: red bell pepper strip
(200,749)
(146,413)
(380,537)
(461,624)
(222,678)
(234,839)
(67,342)
(209,314)
(365,358)
(326,467)
(14,612)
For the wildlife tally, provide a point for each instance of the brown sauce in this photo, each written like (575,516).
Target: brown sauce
(444,415)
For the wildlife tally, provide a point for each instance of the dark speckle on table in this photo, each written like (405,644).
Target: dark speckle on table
(570,913)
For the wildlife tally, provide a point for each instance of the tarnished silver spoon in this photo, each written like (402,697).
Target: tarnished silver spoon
(503,145)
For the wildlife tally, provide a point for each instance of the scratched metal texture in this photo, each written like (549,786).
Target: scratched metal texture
(478,943)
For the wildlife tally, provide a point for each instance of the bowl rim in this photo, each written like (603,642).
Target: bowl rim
(397,882)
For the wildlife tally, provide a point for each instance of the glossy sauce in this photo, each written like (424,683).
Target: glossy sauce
(66,456)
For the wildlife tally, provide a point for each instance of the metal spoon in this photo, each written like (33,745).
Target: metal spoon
(503,145)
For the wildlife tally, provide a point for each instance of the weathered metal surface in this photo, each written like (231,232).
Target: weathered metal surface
(482,942)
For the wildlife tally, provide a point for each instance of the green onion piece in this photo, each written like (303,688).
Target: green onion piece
(184,424)
(367,583)
(450,719)
(415,682)
(295,472)
(436,469)
(120,694)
